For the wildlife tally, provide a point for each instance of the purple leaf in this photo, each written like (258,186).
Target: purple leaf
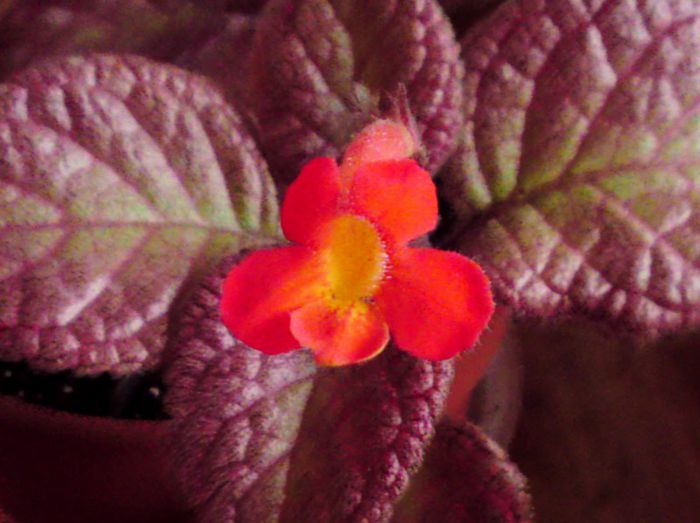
(465,478)
(225,57)
(575,185)
(119,180)
(34,29)
(244,451)
(322,66)
(363,435)
(237,412)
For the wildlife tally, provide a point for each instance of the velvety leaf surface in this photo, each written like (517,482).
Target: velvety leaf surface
(119,179)
(322,66)
(236,413)
(160,29)
(576,182)
(363,435)
(465,478)
(225,57)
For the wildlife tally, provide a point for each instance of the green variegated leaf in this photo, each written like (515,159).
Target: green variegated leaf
(120,180)
(321,68)
(576,182)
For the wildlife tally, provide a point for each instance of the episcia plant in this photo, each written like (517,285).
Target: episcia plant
(353,276)
(143,146)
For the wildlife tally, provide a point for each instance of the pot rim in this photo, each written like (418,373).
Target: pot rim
(26,415)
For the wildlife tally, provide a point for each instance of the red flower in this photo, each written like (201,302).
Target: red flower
(351,277)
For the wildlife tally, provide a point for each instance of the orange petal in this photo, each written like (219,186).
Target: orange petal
(437,302)
(310,200)
(379,141)
(260,292)
(340,336)
(398,196)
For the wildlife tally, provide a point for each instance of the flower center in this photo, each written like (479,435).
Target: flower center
(355,258)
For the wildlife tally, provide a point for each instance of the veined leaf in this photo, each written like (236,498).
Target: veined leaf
(322,66)
(32,30)
(268,438)
(466,478)
(120,179)
(576,182)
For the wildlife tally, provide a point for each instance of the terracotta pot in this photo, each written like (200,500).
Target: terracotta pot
(58,467)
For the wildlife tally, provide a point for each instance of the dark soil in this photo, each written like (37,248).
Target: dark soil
(134,397)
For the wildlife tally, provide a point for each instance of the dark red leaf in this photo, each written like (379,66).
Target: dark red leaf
(575,185)
(321,67)
(160,29)
(224,57)
(120,179)
(237,413)
(364,432)
(465,478)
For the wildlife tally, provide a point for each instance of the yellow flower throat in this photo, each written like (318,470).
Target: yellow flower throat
(355,259)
